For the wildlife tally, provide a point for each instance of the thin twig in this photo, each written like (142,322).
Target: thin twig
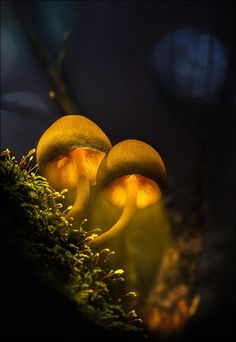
(60,92)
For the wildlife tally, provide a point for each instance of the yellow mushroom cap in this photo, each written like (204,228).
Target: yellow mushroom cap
(132,161)
(71,137)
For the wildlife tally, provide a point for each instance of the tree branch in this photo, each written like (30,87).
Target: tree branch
(59,93)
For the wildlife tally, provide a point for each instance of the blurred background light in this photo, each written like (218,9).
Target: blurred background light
(190,64)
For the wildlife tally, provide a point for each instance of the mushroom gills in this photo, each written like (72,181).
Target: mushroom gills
(130,192)
(127,214)
(148,192)
(84,163)
(75,169)
(64,170)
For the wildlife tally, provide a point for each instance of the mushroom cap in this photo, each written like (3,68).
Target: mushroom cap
(136,158)
(67,134)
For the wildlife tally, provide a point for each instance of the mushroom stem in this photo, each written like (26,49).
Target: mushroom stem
(82,189)
(81,200)
(127,214)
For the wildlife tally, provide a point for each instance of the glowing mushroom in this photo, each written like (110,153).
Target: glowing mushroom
(68,155)
(131,176)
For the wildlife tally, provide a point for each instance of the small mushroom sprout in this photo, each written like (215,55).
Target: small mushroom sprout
(68,155)
(131,176)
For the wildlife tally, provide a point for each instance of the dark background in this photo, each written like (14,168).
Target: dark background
(161,72)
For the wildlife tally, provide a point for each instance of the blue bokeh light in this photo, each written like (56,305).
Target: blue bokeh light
(190,64)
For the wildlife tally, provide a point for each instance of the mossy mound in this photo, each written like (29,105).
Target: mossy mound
(54,285)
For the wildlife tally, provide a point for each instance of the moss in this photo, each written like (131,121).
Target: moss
(48,267)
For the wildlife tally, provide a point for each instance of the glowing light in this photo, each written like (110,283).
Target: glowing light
(52,94)
(148,191)
(62,170)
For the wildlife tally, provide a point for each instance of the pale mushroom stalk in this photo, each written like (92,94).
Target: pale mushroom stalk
(127,215)
(82,187)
